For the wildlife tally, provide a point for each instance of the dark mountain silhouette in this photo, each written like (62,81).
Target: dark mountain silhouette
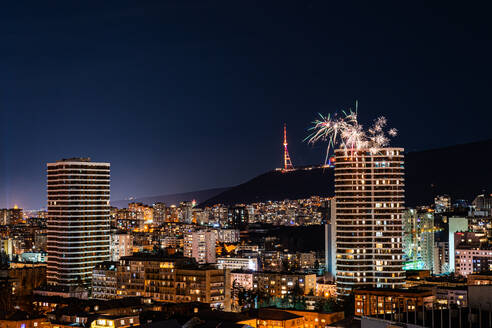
(199,196)
(461,171)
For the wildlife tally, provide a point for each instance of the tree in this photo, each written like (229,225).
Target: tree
(297,295)
(327,305)
(244,298)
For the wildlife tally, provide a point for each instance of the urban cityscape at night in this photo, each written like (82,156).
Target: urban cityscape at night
(290,164)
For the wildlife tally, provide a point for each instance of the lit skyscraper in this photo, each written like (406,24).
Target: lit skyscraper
(78,220)
(369,189)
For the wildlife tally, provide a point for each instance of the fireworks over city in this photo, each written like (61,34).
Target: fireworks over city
(344,131)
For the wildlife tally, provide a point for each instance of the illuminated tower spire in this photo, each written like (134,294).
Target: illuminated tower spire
(287,162)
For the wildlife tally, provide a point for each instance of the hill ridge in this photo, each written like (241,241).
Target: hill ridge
(427,173)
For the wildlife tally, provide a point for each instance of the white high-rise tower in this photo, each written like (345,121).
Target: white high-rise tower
(78,220)
(369,189)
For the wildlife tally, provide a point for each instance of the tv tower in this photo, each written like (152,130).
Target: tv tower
(287,162)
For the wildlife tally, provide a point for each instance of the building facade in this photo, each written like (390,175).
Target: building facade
(418,239)
(121,245)
(242,279)
(170,280)
(78,220)
(238,263)
(104,281)
(11,216)
(472,260)
(369,190)
(280,284)
(200,245)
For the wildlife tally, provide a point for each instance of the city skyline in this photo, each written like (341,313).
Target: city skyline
(301,164)
(178,99)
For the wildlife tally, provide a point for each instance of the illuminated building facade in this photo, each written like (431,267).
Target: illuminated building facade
(442,203)
(369,189)
(418,239)
(370,302)
(237,263)
(121,245)
(11,216)
(160,211)
(78,220)
(281,284)
(241,279)
(121,321)
(237,217)
(473,260)
(170,280)
(144,215)
(200,245)
(104,282)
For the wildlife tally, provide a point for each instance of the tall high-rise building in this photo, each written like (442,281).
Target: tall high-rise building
(369,190)
(78,220)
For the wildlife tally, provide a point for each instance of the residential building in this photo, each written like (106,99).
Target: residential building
(160,211)
(242,279)
(237,217)
(441,257)
(483,203)
(104,281)
(171,242)
(7,247)
(228,236)
(266,318)
(116,321)
(186,211)
(21,319)
(280,284)
(369,190)
(78,220)
(473,260)
(452,296)
(121,245)
(455,224)
(418,239)
(482,278)
(326,289)
(143,214)
(200,245)
(384,301)
(442,203)
(237,263)
(11,216)
(306,260)
(170,279)
(34,257)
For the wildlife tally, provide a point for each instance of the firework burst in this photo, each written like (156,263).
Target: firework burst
(347,133)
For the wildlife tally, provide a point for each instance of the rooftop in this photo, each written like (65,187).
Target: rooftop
(20,316)
(271,314)
(75,159)
(409,291)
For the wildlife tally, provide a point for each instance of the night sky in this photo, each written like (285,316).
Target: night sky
(182,96)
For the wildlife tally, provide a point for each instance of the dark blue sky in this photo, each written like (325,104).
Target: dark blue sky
(182,96)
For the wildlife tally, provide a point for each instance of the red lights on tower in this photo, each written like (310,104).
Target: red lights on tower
(287,162)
